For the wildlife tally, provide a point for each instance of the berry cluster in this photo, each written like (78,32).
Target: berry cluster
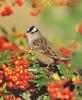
(7,10)
(38,5)
(57,91)
(60,2)
(16,73)
(73,2)
(6,45)
(64,2)
(10,97)
(1,76)
(1,82)
(19,2)
(65,51)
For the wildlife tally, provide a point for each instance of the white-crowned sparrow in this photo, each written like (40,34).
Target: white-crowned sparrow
(46,52)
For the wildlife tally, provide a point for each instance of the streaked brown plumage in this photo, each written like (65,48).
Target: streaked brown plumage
(46,52)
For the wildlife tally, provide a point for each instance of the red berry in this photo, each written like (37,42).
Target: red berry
(13,98)
(32,13)
(21,67)
(1,81)
(21,71)
(19,98)
(10,84)
(79,29)
(17,83)
(7,7)
(73,2)
(32,90)
(25,63)
(17,69)
(1,90)
(3,13)
(68,63)
(7,97)
(16,63)
(2,40)
(24,85)
(31,76)
(25,71)
(51,84)
(74,44)
(15,79)
(22,76)
(1,72)
(65,51)
(19,2)
(11,12)
(35,4)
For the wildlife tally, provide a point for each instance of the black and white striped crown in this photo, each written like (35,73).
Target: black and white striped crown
(32,29)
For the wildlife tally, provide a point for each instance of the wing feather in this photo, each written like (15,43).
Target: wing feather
(45,47)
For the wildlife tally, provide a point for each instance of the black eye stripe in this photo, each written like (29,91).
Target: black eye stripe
(30,29)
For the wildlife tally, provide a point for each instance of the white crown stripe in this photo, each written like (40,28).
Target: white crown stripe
(32,29)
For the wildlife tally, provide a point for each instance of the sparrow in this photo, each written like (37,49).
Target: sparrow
(47,53)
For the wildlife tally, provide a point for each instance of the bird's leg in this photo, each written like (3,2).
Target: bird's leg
(48,66)
(53,64)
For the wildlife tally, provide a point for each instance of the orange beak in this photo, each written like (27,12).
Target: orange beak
(26,34)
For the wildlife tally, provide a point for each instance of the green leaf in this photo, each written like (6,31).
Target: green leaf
(7,53)
(42,82)
(39,76)
(26,95)
(5,56)
(76,60)
(78,91)
(37,70)
(62,69)
(3,30)
(73,66)
(71,71)
(47,97)
(1,98)
(34,69)
(4,86)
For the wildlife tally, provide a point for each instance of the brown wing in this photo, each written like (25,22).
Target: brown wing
(43,46)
